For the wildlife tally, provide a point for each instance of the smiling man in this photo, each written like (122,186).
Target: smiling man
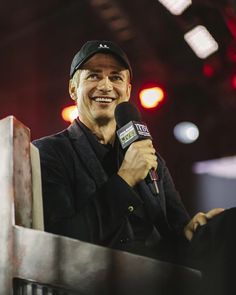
(94,192)
(100,84)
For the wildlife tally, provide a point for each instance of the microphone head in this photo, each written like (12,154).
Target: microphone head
(126,112)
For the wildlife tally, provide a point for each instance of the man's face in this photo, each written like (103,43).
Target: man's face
(98,87)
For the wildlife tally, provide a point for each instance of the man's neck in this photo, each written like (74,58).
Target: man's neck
(105,133)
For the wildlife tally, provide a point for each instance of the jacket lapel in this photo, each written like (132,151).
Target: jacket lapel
(86,154)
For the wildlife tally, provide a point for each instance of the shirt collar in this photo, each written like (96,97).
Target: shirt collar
(100,149)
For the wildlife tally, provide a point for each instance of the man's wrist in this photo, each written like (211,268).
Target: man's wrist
(126,177)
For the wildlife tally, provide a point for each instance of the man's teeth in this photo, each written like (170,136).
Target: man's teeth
(103,99)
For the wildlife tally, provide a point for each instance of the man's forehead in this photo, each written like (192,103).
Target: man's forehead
(103,61)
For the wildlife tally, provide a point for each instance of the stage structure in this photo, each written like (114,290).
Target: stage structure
(35,262)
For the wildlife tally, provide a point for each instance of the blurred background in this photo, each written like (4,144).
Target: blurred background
(38,40)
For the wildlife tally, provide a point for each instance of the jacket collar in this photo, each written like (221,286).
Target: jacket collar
(86,153)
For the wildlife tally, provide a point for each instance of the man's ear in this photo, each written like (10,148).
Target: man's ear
(72,89)
(129,88)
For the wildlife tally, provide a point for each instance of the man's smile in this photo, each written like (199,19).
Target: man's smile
(101,99)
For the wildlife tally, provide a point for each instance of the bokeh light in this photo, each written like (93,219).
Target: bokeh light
(186,132)
(151,97)
(69,113)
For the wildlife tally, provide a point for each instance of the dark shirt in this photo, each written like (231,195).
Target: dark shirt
(106,153)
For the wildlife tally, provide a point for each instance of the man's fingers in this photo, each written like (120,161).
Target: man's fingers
(144,142)
(202,218)
(195,226)
(214,212)
(188,234)
(199,219)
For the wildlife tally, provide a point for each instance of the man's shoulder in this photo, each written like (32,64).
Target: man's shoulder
(55,147)
(62,144)
(53,139)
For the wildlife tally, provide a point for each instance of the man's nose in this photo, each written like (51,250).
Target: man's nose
(105,84)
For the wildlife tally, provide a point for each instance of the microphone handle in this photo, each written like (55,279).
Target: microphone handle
(153,179)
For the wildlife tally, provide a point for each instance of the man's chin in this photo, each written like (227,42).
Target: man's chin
(103,120)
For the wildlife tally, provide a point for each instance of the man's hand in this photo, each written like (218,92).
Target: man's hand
(139,159)
(199,219)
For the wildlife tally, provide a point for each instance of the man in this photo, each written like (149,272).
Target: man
(94,192)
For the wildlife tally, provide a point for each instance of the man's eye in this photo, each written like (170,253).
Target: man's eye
(92,76)
(116,78)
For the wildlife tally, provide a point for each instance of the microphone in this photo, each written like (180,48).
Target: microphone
(131,129)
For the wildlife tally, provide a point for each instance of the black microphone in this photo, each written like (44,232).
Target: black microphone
(131,129)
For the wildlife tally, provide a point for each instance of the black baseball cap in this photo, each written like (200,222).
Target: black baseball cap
(98,46)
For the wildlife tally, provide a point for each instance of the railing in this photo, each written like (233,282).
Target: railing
(35,262)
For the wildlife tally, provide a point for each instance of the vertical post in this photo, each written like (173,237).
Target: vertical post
(6,207)
(22,174)
(37,207)
(15,192)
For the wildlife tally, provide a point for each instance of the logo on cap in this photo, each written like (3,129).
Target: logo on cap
(103,46)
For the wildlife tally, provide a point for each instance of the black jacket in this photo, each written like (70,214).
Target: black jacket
(81,202)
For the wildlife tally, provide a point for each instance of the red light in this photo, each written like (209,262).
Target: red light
(231,51)
(233,81)
(208,70)
(151,97)
(69,113)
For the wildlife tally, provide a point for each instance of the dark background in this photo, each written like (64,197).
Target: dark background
(39,38)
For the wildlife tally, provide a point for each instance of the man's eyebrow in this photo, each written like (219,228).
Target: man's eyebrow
(92,70)
(115,72)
